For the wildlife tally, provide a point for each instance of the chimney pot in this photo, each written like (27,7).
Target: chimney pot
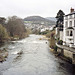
(71,10)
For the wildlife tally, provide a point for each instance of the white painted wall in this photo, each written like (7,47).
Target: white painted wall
(66,38)
(61,35)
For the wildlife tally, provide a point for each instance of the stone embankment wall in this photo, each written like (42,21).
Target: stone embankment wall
(67,52)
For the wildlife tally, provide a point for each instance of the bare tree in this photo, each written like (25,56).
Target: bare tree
(16,27)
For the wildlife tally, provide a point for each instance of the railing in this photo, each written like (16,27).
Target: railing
(66,47)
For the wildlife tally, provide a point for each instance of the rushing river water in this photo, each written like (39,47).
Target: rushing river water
(35,60)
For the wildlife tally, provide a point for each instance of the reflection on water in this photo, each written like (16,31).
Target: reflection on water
(35,60)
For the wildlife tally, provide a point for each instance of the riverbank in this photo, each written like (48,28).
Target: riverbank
(4,51)
(58,55)
(3,54)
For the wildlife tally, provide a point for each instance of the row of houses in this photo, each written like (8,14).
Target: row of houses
(40,27)
(66,31)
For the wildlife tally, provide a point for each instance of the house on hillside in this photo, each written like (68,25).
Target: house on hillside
(69,29)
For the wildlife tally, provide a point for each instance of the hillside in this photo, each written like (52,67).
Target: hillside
(39,20)
(51,18)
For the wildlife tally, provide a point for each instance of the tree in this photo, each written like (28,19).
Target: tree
(2,20)
(16,27)
(3,33)
(52,39)
(60,16)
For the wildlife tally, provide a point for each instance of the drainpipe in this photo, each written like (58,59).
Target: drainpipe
(73,38)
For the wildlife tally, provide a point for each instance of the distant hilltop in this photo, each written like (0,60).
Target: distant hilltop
(39,20)
(51,18)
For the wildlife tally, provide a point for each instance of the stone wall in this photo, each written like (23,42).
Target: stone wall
(65,52)
(68,53)
(73,59)
(59,50)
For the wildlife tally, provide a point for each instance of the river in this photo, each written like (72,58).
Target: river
(35,60)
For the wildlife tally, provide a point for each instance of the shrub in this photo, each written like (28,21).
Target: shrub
(52,40)
(55,48)
(15,26)
(3,33)
(60,42)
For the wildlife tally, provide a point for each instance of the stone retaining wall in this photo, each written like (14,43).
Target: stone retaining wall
(67,53)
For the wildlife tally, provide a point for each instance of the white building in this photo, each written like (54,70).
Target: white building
(69,29)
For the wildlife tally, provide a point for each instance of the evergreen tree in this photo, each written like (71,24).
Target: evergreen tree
(60,16)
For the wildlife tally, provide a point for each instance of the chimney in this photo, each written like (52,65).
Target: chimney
(71,10)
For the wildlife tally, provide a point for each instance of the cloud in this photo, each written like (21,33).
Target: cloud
(23,8)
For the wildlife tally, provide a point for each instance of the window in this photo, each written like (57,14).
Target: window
(74,23)
(67,33)
(70,16)
(70,23)
(66,17)
(66,24)
(71,33)
(74,15)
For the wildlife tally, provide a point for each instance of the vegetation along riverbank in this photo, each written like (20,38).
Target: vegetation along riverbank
(11,29)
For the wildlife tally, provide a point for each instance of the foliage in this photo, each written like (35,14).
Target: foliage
(60,16)
(55,48)
(16,27)
(48,34)
(2,20)
(44,32)
(35,31)
(28,31)
(3,33)
(52,39)
(60,42)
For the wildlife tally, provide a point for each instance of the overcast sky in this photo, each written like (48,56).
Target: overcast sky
(44,8)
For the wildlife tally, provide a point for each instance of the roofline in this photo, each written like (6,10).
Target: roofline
(70,28)
(69,14)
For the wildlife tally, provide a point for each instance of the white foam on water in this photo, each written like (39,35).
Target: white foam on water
(14,52)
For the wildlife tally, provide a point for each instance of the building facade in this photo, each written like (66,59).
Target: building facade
(69,29)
